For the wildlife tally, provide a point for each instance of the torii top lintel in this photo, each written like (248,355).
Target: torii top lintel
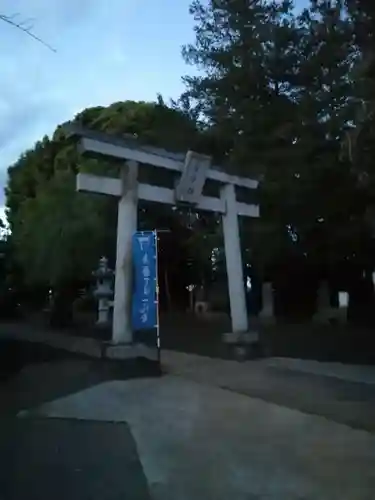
(128,148)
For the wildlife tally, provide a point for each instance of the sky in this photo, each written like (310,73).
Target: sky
(106,51)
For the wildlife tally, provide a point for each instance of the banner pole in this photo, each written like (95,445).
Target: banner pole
(157,299)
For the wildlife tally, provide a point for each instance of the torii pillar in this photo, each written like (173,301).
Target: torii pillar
(127,217)
(194,170)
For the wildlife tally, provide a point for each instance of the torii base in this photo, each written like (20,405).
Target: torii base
(243,346)
(129,351)
(133,360)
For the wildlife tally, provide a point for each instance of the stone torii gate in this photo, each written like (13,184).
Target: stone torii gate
(194,170)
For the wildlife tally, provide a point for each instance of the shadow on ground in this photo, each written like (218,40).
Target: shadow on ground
(32,373)
(336,343)
(63,458)
(342,401)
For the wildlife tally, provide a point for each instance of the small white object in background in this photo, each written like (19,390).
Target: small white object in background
(342,310)
(343,299)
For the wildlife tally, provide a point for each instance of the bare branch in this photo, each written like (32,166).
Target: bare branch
(26,27)
(28,24)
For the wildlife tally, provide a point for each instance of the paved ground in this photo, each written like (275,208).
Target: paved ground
(342,401)
(46,459)
(186,333)
(202,442)
(355,373)
(211,428)
(32,373)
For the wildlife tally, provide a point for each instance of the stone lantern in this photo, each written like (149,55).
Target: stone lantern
(103,291)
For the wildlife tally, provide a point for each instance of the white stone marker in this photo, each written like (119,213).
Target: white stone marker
(129,191)
(343,306)
(325,312)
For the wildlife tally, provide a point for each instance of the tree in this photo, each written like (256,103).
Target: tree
(248,56)
(246,51)
(358,146)
(58,232)
(58,235)
(278,91)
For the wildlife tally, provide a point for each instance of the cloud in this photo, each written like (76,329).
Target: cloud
(108,50)
(38,88)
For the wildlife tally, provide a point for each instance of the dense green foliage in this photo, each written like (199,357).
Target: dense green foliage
(60,234)
(284,96)
(281,90)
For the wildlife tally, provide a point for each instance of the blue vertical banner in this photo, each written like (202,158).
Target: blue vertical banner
(144,307)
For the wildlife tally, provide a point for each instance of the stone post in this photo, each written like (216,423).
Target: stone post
(267,312)
(325,312)
(103,291)
(342,311)
(103,312)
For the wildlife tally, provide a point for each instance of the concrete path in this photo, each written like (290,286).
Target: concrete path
(364,374)
(203,442)
(344,401)
(209,429)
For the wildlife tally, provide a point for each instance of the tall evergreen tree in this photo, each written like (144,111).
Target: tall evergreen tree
(246,50)
(277,91)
